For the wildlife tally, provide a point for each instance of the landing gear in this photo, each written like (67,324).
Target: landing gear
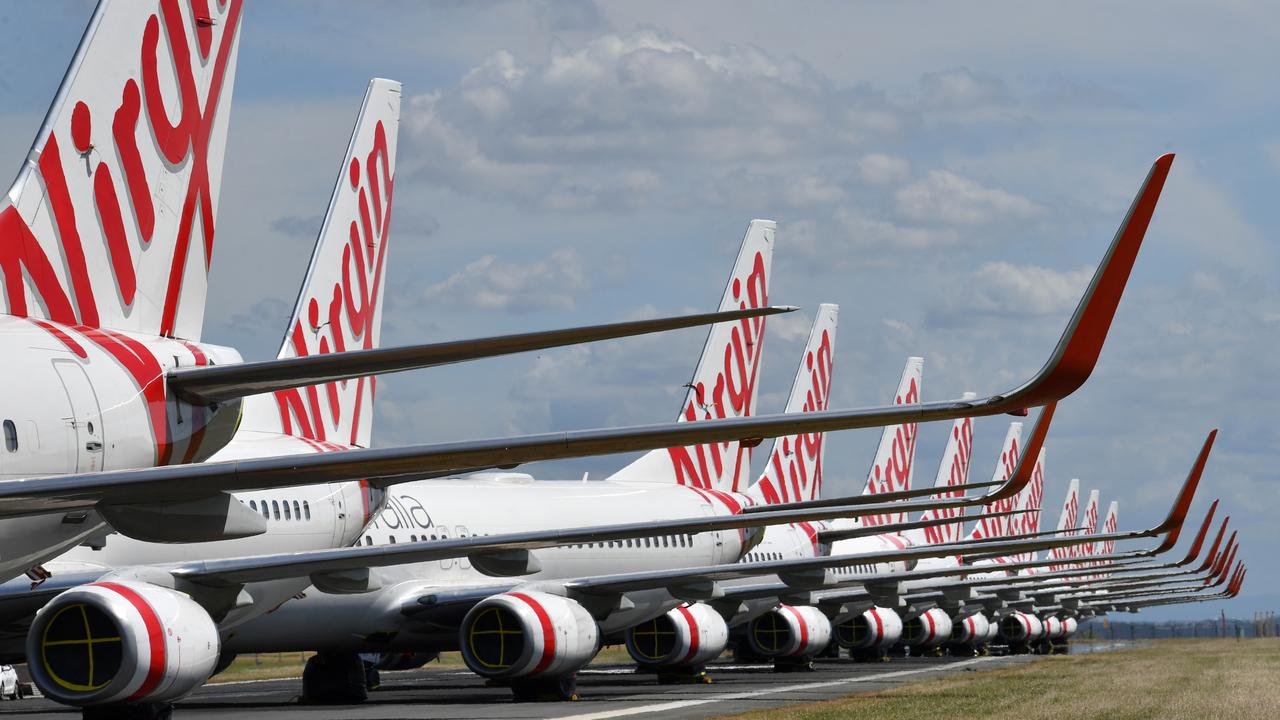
(683,675)
(334,679)
(872,655)
(546,689)
(137,711)
(790,665)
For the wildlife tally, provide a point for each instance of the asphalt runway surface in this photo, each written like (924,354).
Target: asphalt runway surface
(607,691)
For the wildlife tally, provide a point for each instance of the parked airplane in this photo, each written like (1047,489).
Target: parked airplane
(105,242)
(210,604)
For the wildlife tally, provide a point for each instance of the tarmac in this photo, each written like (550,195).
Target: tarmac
(607,691)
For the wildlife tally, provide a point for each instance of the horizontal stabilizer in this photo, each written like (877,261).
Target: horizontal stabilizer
(219,383)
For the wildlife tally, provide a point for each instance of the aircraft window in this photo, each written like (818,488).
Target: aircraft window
(306,509)
(433,536)
(10,436)
(266,514)
(666,541)
(253,505)
(275,509)
(627,542)
(391,539)
(287,514)
(297,514)
(413,538)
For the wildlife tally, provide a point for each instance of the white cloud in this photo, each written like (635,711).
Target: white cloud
(880,169)
(946,198)
(960,87)
(865,231)
(1001,287)
(491,284)
(576,129)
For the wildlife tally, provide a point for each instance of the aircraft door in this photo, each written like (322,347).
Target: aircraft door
(85,431)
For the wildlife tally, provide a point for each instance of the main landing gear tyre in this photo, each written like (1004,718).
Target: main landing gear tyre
(139,711)
(334,679)
(553,689)
(791,665)
(683,675)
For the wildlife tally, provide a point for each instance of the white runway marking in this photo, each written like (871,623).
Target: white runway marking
(662,707)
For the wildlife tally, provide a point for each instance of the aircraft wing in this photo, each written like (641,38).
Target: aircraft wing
(507,553)
(218,383)
(1070,364)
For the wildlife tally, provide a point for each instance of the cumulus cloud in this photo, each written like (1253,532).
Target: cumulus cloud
(865,231)
(493,284)
(627,117)
(880,169)
(1001,287)
(961,87)
(944,197)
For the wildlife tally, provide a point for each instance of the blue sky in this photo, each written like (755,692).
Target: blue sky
(948,174)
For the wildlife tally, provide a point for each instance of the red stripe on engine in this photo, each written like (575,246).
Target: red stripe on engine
(879,627)
(155,637)
(804,629)
(548,632)
(693,632)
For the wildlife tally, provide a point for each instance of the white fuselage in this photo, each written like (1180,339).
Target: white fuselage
(307,517)
(82,400)
(500,503)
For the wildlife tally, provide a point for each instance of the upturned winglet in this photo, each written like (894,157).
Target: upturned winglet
(1172,525)
(1212,557)
(1199,540)
(1077,352)
(1025,468)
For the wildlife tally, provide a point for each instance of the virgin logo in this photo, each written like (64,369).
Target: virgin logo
(728,393)
(895,472)
(184,145)
(957,474)
(994,527)
(1070,511)
(349,311)
(794,470)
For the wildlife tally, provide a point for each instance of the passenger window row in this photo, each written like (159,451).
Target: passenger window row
(753,557)
(659,541)
(298,511)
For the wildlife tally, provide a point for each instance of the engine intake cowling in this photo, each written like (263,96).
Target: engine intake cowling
(875,628)
(119,642)
(928,629)
(1020,627)
(790,631)
(971,630)
(688,635)
(520,634)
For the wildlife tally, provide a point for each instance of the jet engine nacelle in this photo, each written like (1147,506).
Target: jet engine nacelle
(790,631)
(121,642)
(1053,628)
(687,635)
(972,630)
(522,634)
(1020,627)
(875,628)
(928,629)
(1069,627)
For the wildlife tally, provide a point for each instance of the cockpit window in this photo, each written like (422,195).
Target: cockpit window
(10,436)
